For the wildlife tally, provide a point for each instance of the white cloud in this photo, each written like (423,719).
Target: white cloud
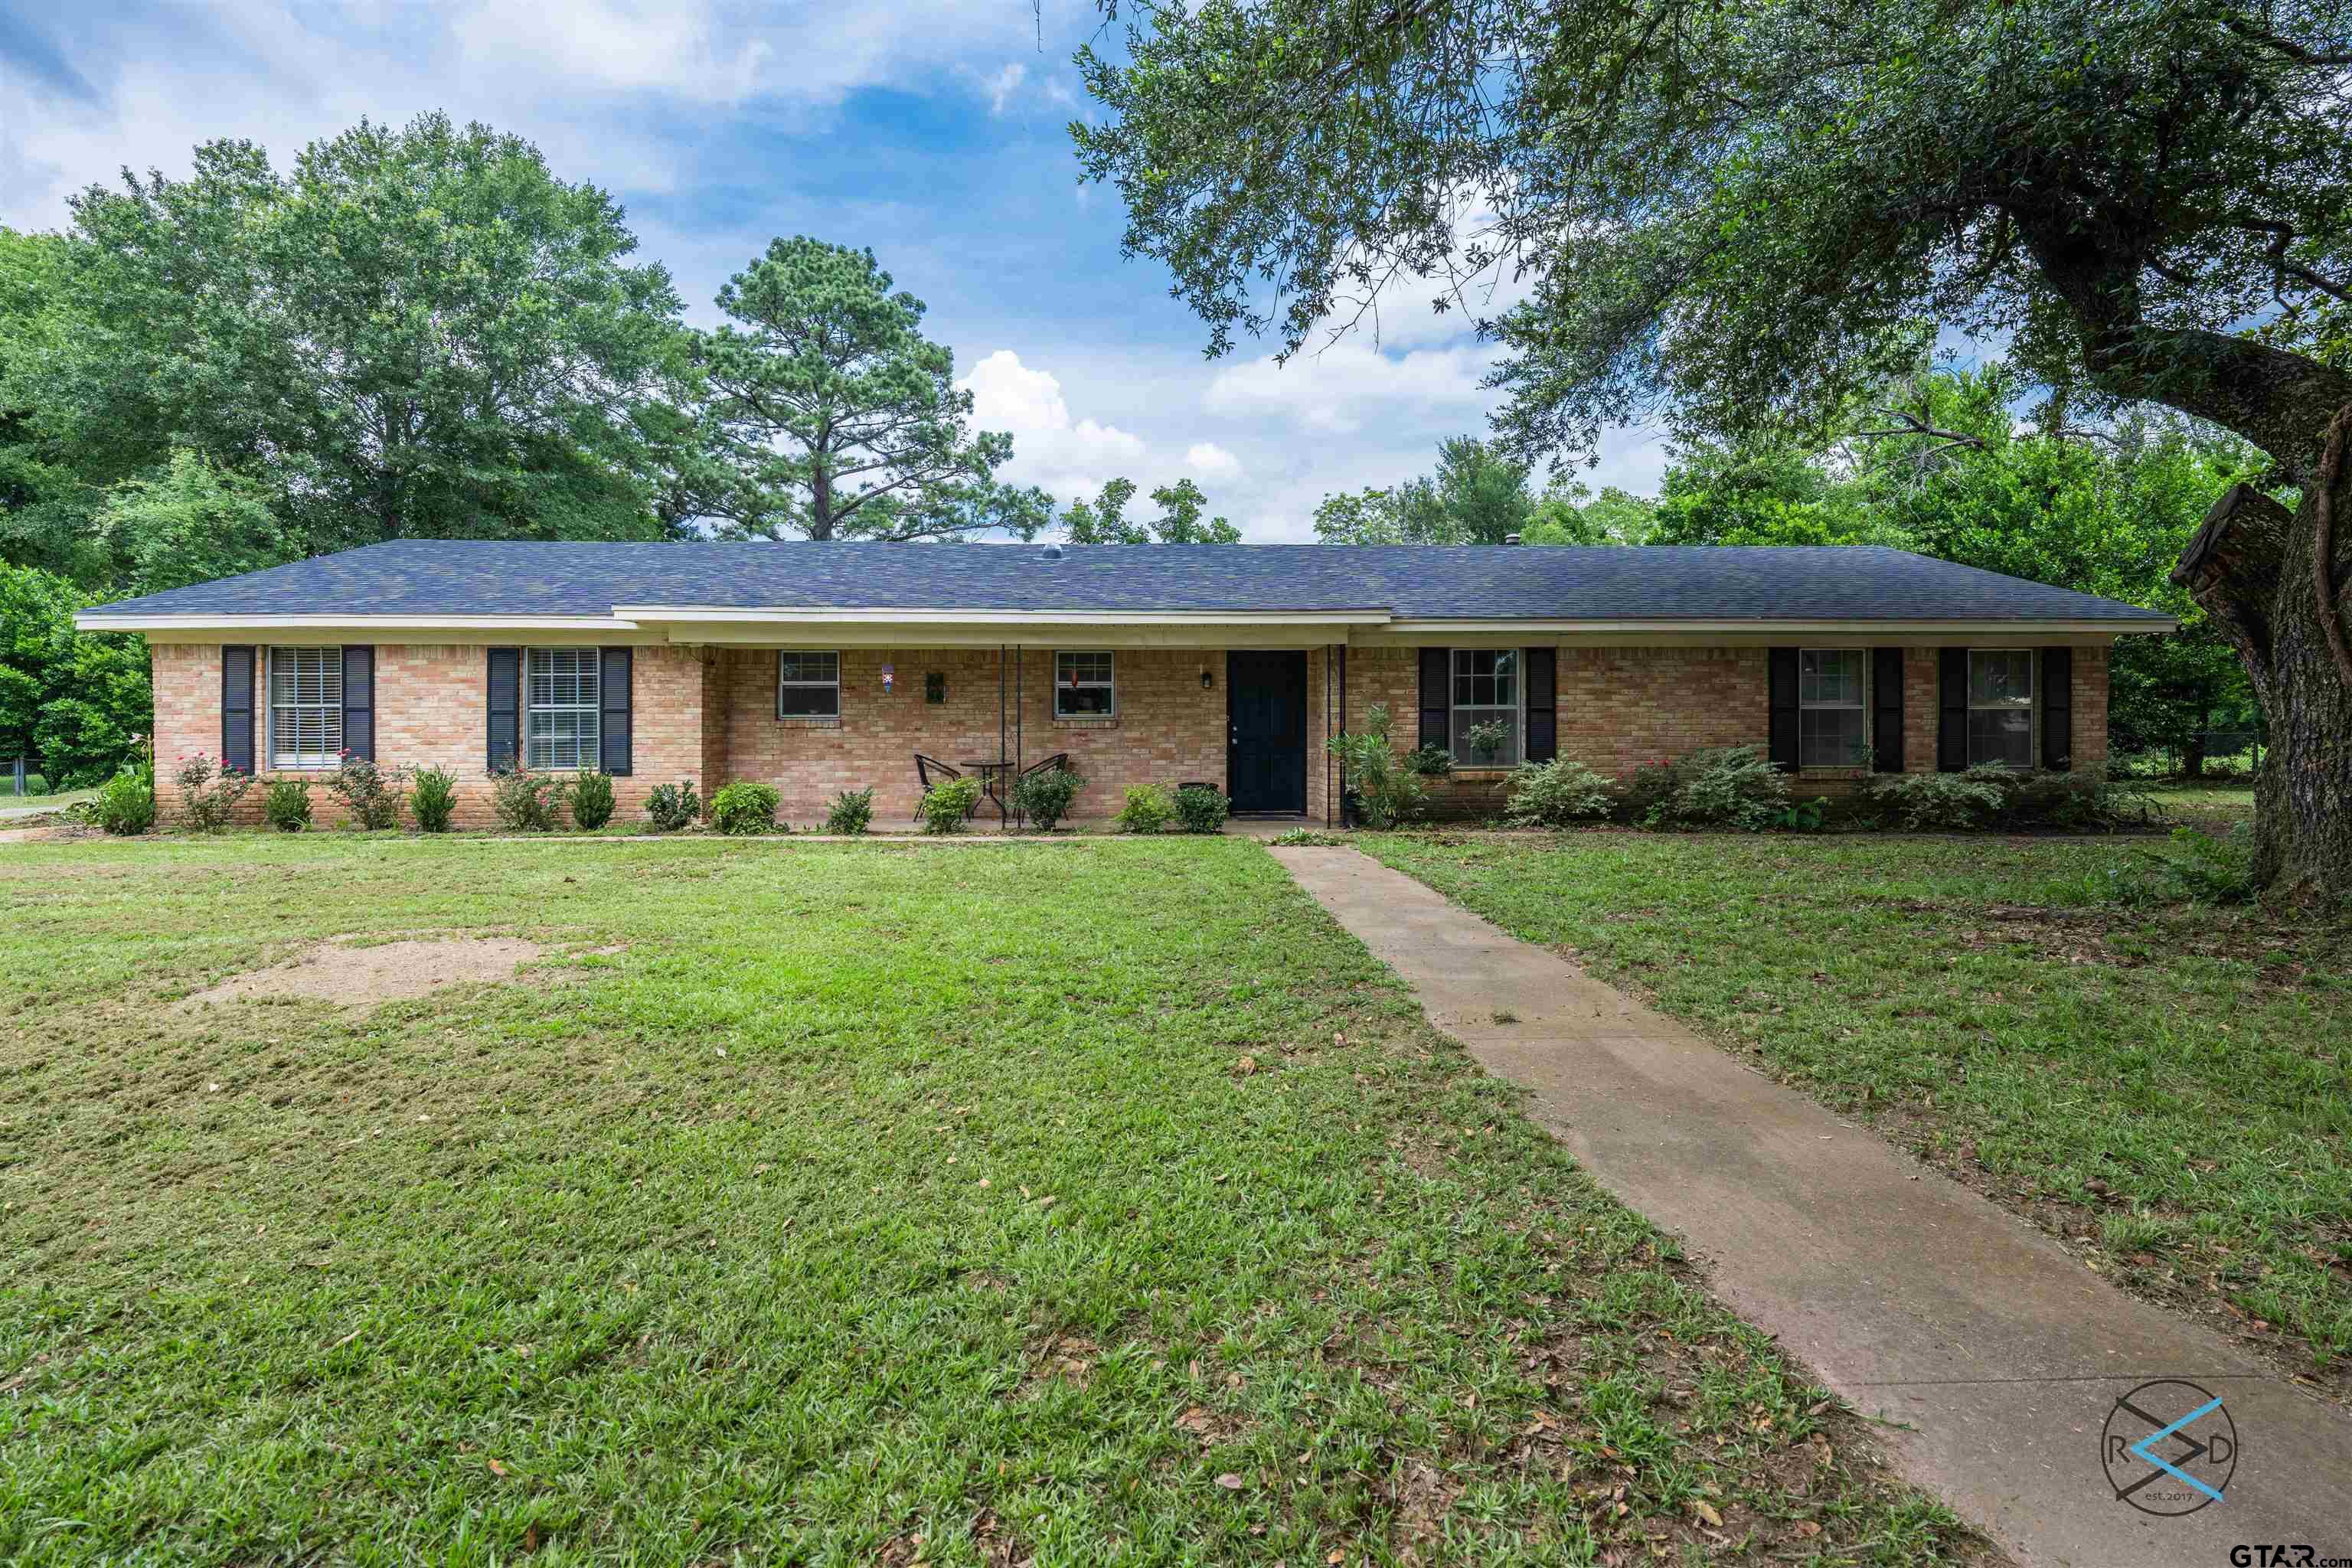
(1070,458)
(1000,87)
(607,88)
(616,48)
(1348,385)
(1211,461)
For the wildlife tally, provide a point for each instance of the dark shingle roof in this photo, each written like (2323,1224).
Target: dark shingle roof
(473,577)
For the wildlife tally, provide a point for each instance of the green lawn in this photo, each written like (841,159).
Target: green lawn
(36,801)
(987,1206)
(2169,1089)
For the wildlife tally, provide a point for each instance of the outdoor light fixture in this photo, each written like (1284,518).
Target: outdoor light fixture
(1207,680)
(890,675)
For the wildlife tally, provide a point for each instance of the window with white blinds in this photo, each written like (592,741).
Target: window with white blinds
(306,706)
(561,697)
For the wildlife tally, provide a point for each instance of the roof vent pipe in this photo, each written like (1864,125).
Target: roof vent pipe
(1511,539)
(1051,553)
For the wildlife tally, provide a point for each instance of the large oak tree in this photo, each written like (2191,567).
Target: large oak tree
(1731,214)
(410,332)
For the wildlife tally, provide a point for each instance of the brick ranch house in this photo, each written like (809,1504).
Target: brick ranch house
(823,667)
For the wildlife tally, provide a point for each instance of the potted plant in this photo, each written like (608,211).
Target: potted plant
(1486,740)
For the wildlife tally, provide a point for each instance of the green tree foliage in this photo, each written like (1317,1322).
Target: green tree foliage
(833,418)
(1761,493)
(418,332)
(46,499)
(75,699)
(1726,211)
(1476,496)
(1573,514)
(191,522)
(1104,520)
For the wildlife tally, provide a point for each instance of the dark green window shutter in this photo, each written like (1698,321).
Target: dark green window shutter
(359,701)
(1543,703)
(614,669)
(1887,709)
(1436,695)
(1952,704)
(505,707)
(2058,708)
(236,708)
(1781,692)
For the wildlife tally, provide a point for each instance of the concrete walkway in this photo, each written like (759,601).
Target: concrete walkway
(1998,1357)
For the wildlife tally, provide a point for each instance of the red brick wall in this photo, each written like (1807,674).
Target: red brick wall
(1619,708)
(1622,707)
(2090,726)
(709,715)
(431,701)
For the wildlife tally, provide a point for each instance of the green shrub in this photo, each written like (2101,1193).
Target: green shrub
(1199,808)
(286,805)
(433,801)
(2089,799)
(1936,802)
(1147,810)
(370,794)
(1387,791)
(1722,787)
(672,806)
(1558,794)
(592,799)
(1306,837)
(852,813)
(209,793)
(1045,796)
(1803,815)
(946,805)
(1431,762)
(526,802)
(745,806)
(125,805)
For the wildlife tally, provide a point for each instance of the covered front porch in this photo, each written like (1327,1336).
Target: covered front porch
(837,709)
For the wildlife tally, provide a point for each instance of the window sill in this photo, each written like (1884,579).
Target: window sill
(1481,773)
(807,722)
(1099,721)
(1850,770)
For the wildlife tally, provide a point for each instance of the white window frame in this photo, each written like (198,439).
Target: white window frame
(2032,708)
(1109,683)
(329,707)
(585,741)
(1518,708)
(1860,704)
(833,686)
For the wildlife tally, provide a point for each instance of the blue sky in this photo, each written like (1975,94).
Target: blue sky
(933,133)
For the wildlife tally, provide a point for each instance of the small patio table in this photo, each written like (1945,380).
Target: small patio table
(992,776)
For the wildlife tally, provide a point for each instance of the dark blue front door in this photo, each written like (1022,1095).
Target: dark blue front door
(1266,712)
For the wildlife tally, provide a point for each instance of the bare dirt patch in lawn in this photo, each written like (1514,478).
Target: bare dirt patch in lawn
(356,976)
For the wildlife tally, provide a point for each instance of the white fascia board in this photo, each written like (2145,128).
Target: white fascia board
(829,614)
(89,622)
(1791,628)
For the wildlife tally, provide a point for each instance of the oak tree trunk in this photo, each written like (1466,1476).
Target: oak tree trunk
(2253,566)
